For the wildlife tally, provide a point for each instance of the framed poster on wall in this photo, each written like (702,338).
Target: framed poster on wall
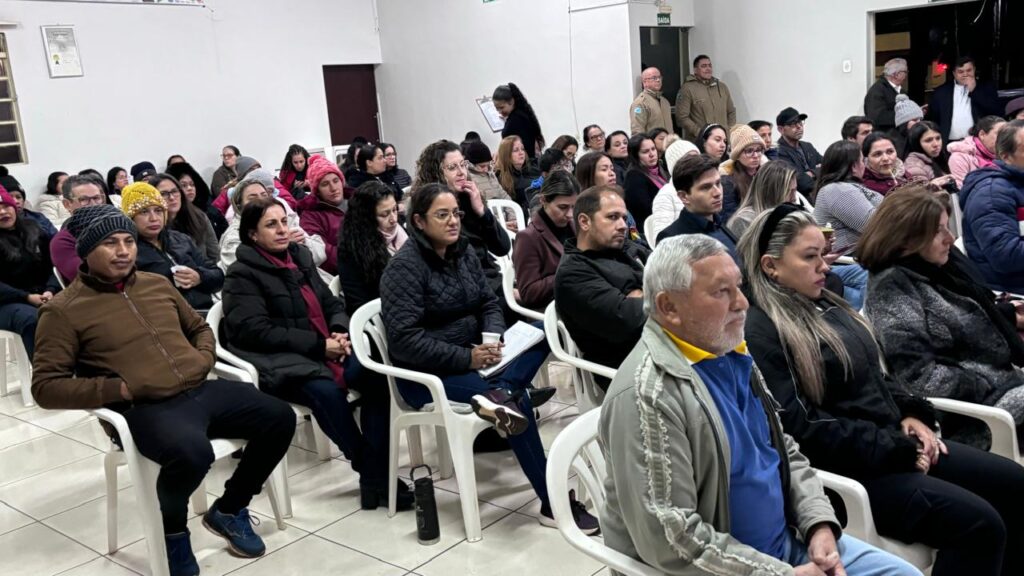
(61,50)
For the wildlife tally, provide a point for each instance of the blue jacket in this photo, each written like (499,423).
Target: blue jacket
(993,204)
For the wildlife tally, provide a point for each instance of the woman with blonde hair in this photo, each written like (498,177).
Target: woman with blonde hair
(851,417)
(514,170)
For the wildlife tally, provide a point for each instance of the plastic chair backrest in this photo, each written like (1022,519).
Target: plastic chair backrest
(213,318)
(335,285)
(649,231)
(576,450)
(498,207)
(508,284)
(588,393)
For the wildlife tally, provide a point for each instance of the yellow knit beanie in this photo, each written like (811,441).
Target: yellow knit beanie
(138,196)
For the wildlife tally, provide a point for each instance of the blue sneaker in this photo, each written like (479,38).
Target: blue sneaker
(237,530)
(180,559)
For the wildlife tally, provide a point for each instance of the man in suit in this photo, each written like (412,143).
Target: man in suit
(880,101)
(957,105)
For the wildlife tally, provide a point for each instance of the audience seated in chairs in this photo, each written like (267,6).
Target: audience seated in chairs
(399,175)
(186,218)
(514,169)
(943,333)
(881,164)
(667,205)
(824,367)
(322,213)
(436,305)
(167,252)
(78,192)
(128,341)
(259,185)
(687,394)
(370,238)
(198,193)
(644,177)
(292,176)
(26,274)
(774,184)
(540,246)
(243,166)
(372,167)
(992,199)
(599,282)
(13,187)
(281,317)
(746,158)
(976,151)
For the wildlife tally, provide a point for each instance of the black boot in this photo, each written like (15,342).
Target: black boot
(375,494)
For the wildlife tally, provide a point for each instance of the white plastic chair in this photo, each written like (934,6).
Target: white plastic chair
(60,279)
(10,343)
(959,243)
(246,372)
(508,285)
(457,420)
(498,207)
(335,285)
(804,202)
(144,474)
(957,220)
(588,394)
(860,523)
(999,422)
(652,238)
(576,449)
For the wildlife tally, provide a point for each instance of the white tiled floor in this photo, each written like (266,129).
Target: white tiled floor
(53,511)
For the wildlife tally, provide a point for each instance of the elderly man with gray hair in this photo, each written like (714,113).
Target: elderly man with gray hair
(702,479)
(880,101)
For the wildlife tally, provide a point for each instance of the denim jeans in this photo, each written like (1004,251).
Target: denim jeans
(858,558)
(516,376)
(855,283)
(20,319)
(365,445)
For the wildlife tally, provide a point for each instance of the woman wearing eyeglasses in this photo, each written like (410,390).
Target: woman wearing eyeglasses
(442,163)
(593,140)
(739,170)
(167,252)
(184,217)
(436,307)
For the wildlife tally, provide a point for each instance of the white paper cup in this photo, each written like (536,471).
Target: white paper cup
(174,272)
(491,337)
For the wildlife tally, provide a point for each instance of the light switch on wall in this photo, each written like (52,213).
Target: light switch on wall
(847,66)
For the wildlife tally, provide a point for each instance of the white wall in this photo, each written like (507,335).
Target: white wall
(573,59)
(174,79)
(778,53)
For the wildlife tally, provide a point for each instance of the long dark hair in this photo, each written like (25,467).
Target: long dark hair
(636,142)
(51,182)
(286,165)
(914,144)
(360,238)
(366,154)
(25,238)
(510,92)
(558,183)
(188,220)
(837,165)
(587,167)
(112,178)
(202,201)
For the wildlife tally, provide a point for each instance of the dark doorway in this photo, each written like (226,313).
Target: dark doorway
(351,103)
(932,37)
(667,49)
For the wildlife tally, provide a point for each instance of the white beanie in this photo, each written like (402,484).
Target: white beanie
(677,150)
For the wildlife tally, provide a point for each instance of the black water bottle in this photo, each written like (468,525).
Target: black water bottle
(427,529)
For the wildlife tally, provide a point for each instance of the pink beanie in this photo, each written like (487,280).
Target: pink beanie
(6,198)
(317,167)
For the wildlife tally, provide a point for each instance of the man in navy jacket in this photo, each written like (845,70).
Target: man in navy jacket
(977,98)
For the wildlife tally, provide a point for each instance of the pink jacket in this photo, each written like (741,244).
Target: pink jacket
(918,166)
(966,156)
(221,202)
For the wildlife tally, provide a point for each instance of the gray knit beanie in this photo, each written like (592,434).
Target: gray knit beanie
(907,110)
(90,225)
(244,164)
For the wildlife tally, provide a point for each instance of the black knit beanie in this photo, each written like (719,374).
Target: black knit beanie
(91,225)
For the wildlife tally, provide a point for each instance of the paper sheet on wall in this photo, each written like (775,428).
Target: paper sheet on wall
(518,339)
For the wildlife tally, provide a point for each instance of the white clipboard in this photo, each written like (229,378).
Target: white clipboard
(494,120)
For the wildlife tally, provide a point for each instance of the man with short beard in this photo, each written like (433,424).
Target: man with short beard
(702,479)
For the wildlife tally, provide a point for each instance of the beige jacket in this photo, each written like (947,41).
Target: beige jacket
(668,457)
(701,103)
(649,110)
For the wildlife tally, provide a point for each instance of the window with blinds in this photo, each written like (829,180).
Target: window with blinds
(12,144)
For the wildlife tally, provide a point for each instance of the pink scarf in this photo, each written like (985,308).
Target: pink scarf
(394,240)
(313,308)
(985,158)
(654,173)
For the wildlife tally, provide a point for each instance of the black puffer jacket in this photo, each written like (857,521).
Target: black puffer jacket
(434,309)
(855,431)
(266,321)
(590,294)
(24,271)
(178,248)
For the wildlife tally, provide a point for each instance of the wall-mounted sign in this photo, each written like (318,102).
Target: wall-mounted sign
(664,19)
(61,51)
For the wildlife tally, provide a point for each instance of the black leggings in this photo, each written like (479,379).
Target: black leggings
(176,433)
(970,506)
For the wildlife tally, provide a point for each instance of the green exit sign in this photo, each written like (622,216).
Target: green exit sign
(663,19)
